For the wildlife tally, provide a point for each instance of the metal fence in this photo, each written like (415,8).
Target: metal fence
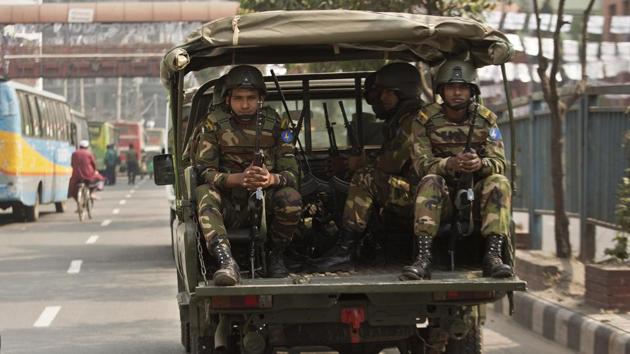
(594,160)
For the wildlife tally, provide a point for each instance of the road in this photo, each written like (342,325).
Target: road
(108,285)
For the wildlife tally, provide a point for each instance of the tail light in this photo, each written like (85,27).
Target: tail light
(463,295)
(241,302)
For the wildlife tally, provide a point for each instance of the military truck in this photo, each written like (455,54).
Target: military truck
(361,311)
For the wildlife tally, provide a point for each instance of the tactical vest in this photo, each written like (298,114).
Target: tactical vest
(237,142)
(449,139)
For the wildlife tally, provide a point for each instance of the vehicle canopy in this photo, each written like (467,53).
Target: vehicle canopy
(335,35)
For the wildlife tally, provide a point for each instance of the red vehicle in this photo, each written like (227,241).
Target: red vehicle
(129,133)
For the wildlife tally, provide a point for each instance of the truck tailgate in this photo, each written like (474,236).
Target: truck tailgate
(362,282)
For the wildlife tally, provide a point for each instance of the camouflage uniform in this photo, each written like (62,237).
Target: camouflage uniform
(225,147)
(390,182)
(435,140)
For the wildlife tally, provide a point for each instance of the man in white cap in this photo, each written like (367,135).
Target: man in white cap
(84,169)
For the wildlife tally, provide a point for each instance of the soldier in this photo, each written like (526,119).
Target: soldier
(388,183)
(439,136)
(224,159)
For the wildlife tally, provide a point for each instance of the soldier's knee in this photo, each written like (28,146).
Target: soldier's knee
(288,198)
(432,181)
(498,181)
(207,196)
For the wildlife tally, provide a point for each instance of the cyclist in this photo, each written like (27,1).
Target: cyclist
(84,169)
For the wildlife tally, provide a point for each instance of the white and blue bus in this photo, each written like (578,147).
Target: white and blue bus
(35,149)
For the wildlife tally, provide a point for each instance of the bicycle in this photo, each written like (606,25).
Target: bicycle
(85,202)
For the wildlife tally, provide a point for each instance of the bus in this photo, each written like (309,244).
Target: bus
(78,128)
(101,135)
(35,149)
(129,133)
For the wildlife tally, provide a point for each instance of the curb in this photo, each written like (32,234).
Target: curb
(567,328)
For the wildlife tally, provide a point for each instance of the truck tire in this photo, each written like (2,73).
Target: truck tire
(471,343)
(185,335)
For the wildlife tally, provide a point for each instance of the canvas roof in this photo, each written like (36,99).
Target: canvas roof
(334,35)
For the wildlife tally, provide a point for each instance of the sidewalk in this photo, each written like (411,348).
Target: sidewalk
(554,307)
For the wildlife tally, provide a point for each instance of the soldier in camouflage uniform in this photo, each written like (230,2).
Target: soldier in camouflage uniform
(389,182)
(224,158)
(439,135)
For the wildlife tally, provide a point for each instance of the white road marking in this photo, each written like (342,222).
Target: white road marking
(122,202)
(75,266)
(115,211)
(132,191)
(92,239)
(47,316)
(106,222)
(128,195)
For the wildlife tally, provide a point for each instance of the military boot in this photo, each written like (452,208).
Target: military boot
(493,265)
(228,273)
(420,268)
(341,255)
(275,261)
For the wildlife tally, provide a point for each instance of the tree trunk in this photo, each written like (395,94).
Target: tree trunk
(563,244)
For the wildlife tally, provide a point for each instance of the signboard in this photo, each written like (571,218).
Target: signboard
(80,15)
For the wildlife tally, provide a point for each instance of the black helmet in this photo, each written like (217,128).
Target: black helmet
(244,76)
(455,70)
(401,77)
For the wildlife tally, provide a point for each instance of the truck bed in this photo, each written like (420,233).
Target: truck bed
(383,279)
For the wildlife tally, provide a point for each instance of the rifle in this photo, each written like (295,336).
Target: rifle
(257,199)
(334,151)
(355,148)
(296,130)
(464,197)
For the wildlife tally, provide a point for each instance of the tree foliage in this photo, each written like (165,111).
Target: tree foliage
(468,8)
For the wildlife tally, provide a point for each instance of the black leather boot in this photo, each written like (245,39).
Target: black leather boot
(275,261)
(420,268)
(493,265)
(228,273)
(340,257)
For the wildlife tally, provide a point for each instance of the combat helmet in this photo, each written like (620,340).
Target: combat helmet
(455,70)
(403,78)
(217,91)
(244,76)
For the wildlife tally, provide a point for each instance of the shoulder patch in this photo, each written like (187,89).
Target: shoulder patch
(494,134)
(487,114)
(287,136)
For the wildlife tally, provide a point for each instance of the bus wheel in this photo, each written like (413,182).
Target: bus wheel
(60,207)
(32,212)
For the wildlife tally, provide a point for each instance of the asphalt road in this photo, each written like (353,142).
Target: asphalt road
(108,285)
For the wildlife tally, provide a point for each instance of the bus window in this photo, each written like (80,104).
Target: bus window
(59,121)
(44,117)
(25,115)
(37,126)
(66,118)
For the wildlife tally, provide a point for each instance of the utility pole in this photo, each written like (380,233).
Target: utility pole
(119,99)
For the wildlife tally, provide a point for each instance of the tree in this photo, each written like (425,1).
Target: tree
(558,107)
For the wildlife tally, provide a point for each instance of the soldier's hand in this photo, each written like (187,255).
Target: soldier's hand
(464,162)
(255,177)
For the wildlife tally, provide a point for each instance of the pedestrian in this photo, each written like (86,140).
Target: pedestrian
(440,133)
(111,161)
(131,158)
